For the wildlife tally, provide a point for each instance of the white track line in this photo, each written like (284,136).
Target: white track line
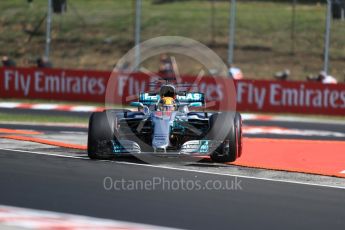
(44,106)
(184,170)
(9,105)
(45,154)
(235,175)
(82,108)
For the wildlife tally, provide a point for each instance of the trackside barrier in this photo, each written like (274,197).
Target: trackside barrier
(252,95)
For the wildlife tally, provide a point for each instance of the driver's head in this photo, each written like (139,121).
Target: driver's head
(168,101)
(167,104)
(167,91)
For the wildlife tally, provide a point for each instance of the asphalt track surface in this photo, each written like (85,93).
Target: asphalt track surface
(76,186)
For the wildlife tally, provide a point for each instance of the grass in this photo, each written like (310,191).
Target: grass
(45,101)
(10,117)
(94,34)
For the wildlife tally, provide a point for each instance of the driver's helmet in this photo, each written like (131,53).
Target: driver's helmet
(167,104)
(168,95)
(167,91)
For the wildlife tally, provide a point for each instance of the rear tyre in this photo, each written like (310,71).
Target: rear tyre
(238,125)
(100,135)
(223,126)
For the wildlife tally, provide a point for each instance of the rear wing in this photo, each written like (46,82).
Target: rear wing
(149,98)
(182,97)
(190,97)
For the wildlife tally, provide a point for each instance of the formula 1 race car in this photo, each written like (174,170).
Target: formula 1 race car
(165,125)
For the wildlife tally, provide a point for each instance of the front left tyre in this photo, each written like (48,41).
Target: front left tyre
(226,128)
(100,135)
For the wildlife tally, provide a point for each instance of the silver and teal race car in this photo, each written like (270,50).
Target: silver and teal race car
(167,122)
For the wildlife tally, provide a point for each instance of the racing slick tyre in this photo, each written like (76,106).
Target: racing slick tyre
(227,151)
(238,125)
(100,134)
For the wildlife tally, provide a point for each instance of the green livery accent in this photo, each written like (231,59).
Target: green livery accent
(203,146)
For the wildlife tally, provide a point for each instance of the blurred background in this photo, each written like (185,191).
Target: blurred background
(270,36)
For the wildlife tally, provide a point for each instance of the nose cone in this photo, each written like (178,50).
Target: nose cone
(162,122)
(160,143)
(161,133)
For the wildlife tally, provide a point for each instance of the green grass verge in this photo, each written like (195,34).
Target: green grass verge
(44,101)
(94,34)
(10,117)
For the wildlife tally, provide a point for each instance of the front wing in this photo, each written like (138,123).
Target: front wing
(193,147)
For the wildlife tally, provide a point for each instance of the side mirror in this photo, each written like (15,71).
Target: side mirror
(195,104)
(183,109)
(137,104)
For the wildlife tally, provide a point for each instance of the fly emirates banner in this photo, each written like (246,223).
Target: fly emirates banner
(250,95)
